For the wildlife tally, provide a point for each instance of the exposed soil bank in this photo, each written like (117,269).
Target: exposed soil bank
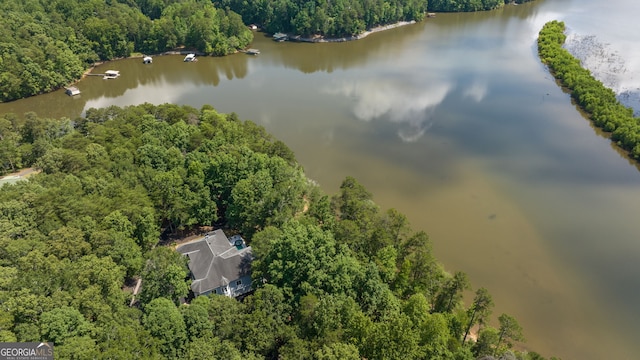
(322,39)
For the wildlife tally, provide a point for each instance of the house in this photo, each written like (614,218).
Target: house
(72,91)
(219,265)
(190,58)
(147,60)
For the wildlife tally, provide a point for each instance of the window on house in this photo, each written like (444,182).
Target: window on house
(239,282)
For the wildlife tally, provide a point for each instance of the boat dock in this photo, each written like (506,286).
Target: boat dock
(109,74)
(279,37)
(72,91)
(252,51)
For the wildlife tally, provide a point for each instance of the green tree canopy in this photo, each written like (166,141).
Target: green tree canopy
(165,323)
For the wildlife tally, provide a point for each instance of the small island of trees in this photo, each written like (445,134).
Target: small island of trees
(336,277)
(598,101)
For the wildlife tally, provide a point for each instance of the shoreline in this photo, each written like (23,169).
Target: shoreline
(322,39)
(294,38)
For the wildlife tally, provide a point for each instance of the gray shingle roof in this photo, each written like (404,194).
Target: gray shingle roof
(214,261)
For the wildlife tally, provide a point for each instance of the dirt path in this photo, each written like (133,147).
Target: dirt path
(18,175)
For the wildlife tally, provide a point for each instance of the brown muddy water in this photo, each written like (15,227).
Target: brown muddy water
(454,122)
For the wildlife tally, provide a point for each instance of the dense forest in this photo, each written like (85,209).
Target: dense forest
(46,44)
(591,95)
(337,277)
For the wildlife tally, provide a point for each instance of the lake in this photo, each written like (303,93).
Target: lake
(456,123)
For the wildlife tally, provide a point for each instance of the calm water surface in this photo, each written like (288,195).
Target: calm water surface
(454,122)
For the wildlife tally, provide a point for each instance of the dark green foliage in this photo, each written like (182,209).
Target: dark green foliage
(590,94)
(302,259)
(451,292)
(487,340)
(36,55)
(509,331)
(337,351)
(480,310)
(165,323)
(59,324)
(469,5)
(164,275)
(464,5)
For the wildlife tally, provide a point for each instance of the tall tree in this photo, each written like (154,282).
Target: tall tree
(338,351)
(62,323)
(451,292)
(165,322)
(479,311)
(300,261)
(164,275)
(266,327)
(208,347)
(509,331)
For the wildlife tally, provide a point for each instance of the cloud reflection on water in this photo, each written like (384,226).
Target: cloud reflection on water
(410,105)
(477,91)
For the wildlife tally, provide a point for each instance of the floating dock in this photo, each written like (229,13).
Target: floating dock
(111,74)
(279,37)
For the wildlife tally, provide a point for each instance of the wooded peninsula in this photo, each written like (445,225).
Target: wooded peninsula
(335,277)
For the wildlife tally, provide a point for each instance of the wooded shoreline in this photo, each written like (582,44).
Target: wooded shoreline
(322,39)
(295,38)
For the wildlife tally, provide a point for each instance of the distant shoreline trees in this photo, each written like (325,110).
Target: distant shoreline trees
(469,5)
(345,17)
(48,44)
(591,95)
